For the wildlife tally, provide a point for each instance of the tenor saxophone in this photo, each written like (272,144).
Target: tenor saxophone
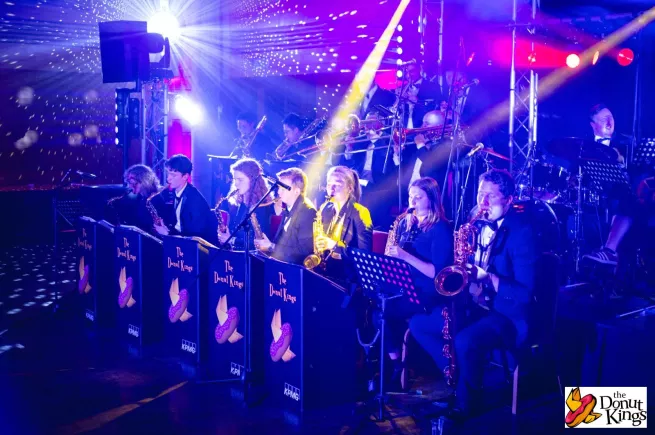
(453,279)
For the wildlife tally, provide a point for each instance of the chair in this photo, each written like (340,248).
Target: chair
(379,241)
(542,323)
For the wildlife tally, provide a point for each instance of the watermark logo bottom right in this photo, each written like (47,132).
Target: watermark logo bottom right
(606,407)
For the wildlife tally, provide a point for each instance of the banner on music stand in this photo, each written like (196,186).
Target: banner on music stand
(86,266)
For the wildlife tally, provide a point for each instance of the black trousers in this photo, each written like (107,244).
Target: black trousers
(473,346)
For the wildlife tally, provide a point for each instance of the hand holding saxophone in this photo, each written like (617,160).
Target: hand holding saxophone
(477,274)
(223,236)
(263,244)
(324,243)
(397,252)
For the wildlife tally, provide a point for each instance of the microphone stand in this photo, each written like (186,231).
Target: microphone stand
(247,227)
(55,212)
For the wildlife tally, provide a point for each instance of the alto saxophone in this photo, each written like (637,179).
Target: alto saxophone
(453,279)
(396,237)
(222,227)
(158,221)
(334,229)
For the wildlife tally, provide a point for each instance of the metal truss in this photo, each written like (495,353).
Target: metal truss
(154,142)
(523,88)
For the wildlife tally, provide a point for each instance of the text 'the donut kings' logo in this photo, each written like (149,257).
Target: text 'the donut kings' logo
(606,407)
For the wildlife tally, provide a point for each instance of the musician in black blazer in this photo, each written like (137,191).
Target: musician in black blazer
(182,206)
(294,238)
(506,266)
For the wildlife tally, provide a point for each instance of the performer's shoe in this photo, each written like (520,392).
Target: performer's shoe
(603,256)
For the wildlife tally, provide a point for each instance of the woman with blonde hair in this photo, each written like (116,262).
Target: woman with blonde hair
(248,187)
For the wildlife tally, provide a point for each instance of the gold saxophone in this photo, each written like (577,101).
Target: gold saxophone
(453,279)
(283,148)
(158,221)
(222,227)
(396,238)
(318,258)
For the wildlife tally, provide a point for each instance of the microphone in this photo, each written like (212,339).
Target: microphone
(276,182)
(85,174)
(478,146)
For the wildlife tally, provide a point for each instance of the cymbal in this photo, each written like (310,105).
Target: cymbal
(489,151)
(576,148)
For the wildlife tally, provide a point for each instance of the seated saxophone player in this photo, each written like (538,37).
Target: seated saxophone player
(250,186)
(294,238)
(422,237)
(182,206)
(131,209)
(346,223)
(505,265)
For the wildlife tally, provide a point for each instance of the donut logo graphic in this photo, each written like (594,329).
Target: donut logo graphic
(581,409)
(228,320)
(179,303)
(83,285)
(125,298)
(282,337)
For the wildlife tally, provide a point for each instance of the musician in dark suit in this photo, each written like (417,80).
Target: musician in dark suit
(130,209)
(506,266)
(294,238)
(261,144)
(182,206)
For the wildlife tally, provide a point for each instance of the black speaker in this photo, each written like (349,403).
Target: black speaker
(124,51)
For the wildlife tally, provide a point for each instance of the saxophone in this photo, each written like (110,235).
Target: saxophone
(222,226)
(334,229)
(396,238)
(158,221)
(453,279)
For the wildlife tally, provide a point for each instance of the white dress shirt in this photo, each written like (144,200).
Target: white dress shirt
(178,225)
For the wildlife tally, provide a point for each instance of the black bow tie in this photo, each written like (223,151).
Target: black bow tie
(492,225)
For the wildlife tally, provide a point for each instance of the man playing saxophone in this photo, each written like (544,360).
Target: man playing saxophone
(293,240)
(423,238)
(506,265)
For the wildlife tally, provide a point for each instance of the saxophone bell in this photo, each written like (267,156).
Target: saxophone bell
(452,280)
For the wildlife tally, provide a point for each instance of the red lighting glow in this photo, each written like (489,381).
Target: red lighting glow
(625,57)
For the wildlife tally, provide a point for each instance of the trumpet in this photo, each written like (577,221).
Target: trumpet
(453,279)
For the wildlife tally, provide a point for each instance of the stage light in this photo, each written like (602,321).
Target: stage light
(594,60)
(164,23)
(188,110)
(625,57)
(572,60)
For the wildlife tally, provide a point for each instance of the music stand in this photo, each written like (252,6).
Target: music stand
(604,176)
(645,154)
(385,278)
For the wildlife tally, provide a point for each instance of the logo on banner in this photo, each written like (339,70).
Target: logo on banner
(83,242)
(126,252)
(126,285)
(228,320)
(90,315)
(179,261)
(235,369)
(179,303)
(281,292)
(83,285)
(292,392)
(189,346)
(133,330)
(228,277)
(282,336)
(606,407)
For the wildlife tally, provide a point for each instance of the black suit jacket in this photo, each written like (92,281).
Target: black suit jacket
(357,229)
(513,259)
(297,242)
(196,218)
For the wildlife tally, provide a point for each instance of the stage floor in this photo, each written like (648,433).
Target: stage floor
(56,376)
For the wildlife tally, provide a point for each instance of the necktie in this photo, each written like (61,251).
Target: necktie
(178,200)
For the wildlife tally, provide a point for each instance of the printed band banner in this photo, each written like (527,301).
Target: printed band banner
(127,282)
(86,266)
(283,331)
(226,330)
(182,287)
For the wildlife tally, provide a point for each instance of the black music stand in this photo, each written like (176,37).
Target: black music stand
(645,155)
(385,278)
(604,176)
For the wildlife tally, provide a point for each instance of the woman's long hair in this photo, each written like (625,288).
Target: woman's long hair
(146,178)
(349,177)
(258,184)
(432,191)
